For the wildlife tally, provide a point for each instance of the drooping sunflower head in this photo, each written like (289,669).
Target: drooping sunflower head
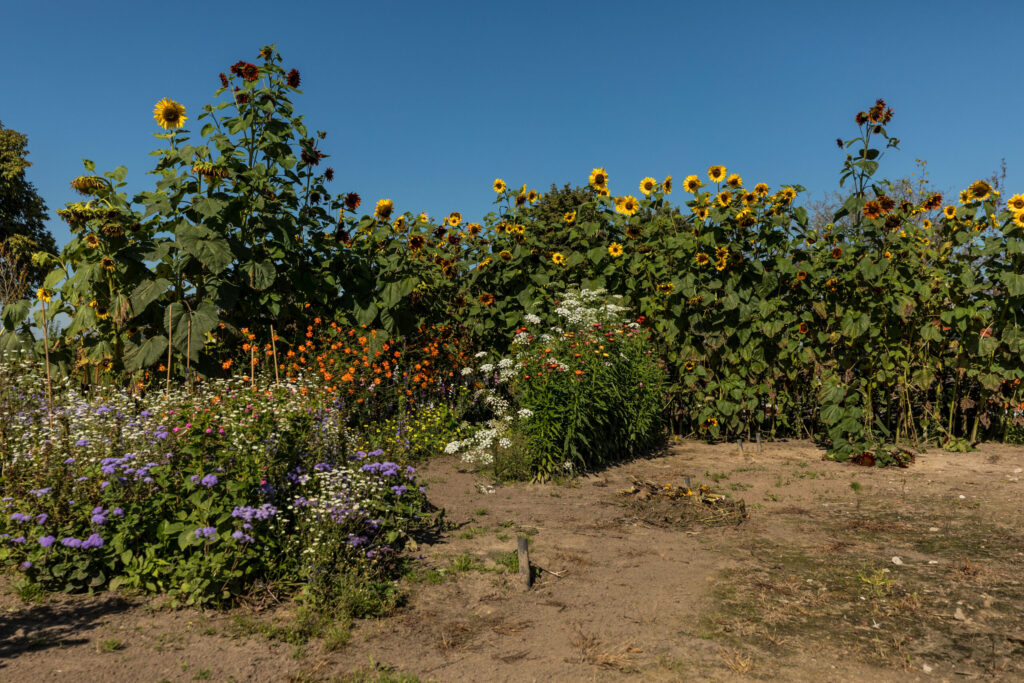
(634,231)
(569,217)
(666,185)
(454,218)
(532,196)
(979,190)
(692,183)
(384,209)
(666,288)
(702,259)
(88,184)
(499,186)
(1016,203)
(108,263)
(627,205)
(92,240)
(558,258)
(734,180)
(521,199)
(169,114)
(294,79)
(716,173)
(761,189)
(615,250)
(487,299)
(505,255)
(648,185)
(949,212)
(599,178)
(416,242)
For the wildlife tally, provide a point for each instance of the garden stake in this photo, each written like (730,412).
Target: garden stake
(252,367)
(170,337)
(524,560)
(49,387)
(740,442)
(188,357)
(273,344)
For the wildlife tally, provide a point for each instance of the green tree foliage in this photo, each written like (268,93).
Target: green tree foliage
(22,211)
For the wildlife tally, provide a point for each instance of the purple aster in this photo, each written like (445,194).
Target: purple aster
(209,481)
(71,542)
(41,518)
(206,532)
(21,517)
(243,537)
(94,541)
(117,512)
(46,541)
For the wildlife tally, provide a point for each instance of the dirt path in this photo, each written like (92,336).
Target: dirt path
(911,574)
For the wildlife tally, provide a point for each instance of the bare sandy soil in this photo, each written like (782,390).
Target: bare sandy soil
(838,573)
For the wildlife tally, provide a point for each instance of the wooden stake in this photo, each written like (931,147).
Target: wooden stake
(252,366)
(188,357)
(524,561)
(273,344)
(170,345)
(49,383)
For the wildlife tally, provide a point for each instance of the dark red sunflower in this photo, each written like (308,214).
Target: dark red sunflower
(293,78)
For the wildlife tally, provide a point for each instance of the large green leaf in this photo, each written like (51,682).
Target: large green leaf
(15,313)
(209,248)
(146,293)
(146,354)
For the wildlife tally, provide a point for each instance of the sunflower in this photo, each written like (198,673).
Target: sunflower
(520,199)
(804,328)
(964,196)
(384,209)
(724,198)
(666,184)
(424,218)
(43,295)
(169,114)
(926,224)
(979,190)
(416,242)
(647,185)
(787,193)
(716,173)
(702,258)
(887,254)
(505,255)
(474,229)
(666,288)
(690,365)
(615,250)
(627,205)
(599,178)
(721,253)
(836,252)
(93,241)
(604,192)
(748,197)
(701,212)
(887,203)
(721,263)
(400,223)
(486,299)
(949,212)
(88,184)
(532,196)
(634,232)
(569,217)
(108,263)
(761,189)
(558,259)
(1018,219)
(499,186)
(734,180)
(872,209)
(801,275)
(102,313)
(1016,203)
(454,218)
(692,184)
(518,229)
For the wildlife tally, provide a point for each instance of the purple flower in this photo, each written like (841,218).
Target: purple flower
(206,532)
(99,516)
(321,467)
(82,479)
(19,539)
(41,518)
(21,517)
(71,542)
(146,413)
(399,490)
(94,541)
(39,493)
(209,481)
(243,537)
(27,564)
(46,541)
(69,461)
(104,484)
(117,512)
(81,442)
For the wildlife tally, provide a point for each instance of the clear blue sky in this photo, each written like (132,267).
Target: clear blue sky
(428,102)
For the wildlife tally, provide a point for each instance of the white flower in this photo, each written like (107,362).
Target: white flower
(525,413)
(487,368)
(505,363)
(505,443)
(480,354)
(532,319)
(453,447)
(467,371)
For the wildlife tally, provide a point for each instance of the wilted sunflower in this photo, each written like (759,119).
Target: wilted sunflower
(454,218)
(416,242)
(209,171)
(734,180)
(88,184)
(558,259)
(666,185)
(569,217)
(887,203)
(692,183)
(949,212)
(352,201)
(762,189)
(486,299)
(627,205)
(836,252)
(933,202)
(532,196)
(599,178)
(294,79)
(169,114)
(108,263)
(647,185)
(979,190)
(634,232)
(92,240)
(615,250)
(724,198)
(1016,203)
(716,173)
(499,186)
(505,255)
(666,288)
(702,258)
(384,209)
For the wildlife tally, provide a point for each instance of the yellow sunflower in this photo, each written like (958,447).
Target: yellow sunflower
(499,186)
(716,173)
(701,212)
(787,193)
(692,183)
(666,288)
(720,264)
(558,259)
(762,189)
(108,263)
(569,217)
(604,192)
(1018,219)
(599,178)
(532,196)
(615,249)
(749,197)
(424,218)
(724,198)
(666,185)
(734,180)
(964,196)
(627,205)
(505,255)
(979,190)
(702,258)
(648,185)
(926,224)
(1016,203)
(93,241)
(169,114)
(949,212)
(454,218)
(43,295)
(384,209)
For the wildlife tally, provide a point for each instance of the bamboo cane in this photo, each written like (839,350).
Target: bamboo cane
(49,382)
(170,345)
(273,345)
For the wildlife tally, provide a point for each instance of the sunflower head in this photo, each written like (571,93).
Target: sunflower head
(487,299)
(716,173)
(599,178)
(836,252)
(1018,219)
(666,288)
(1016,203)
(92,240)
(701,212)
(499,186)
(615,250)
(787,194)
(627,205)
(804,328)
(454,218)
(801,275)
(424,218)
(926,224)
(474,229)
(505,255)
(108,263)
(734,180)
(648,185)
(634,231)
(692,184)
(872,209)
(558,258)
(169,114)
(604,192)
(383,209)
(532,196)
(88,184)
(761,189)
(979,190)
(702,259)
(949,212)
(666,185)
(416,242)
(102,313)
(569,217)
(520,199)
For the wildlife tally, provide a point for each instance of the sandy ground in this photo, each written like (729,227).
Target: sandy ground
(838,573)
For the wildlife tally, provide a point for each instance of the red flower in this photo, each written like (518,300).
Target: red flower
(352,201)
(329,174)
(223,80)
(246,70)
(293,78)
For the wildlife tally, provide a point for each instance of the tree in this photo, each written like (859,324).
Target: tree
(22,213)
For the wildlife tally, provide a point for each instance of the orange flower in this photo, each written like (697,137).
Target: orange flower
(226,364)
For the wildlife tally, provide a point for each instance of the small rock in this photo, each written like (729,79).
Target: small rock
(959,615)
(933,561)
(1017,470)
(925,668)
(896,560)
(962,496)
(933,528)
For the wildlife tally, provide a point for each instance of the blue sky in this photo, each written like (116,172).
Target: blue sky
(426,103)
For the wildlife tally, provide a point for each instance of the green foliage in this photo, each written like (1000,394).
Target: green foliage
(22,212)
